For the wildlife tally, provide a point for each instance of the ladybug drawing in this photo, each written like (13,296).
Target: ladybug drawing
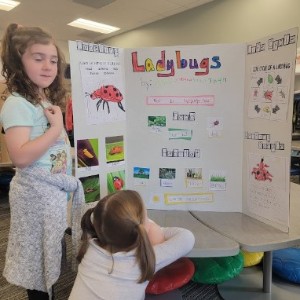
(261,173)
(118,183)
(268,95)
(107,93)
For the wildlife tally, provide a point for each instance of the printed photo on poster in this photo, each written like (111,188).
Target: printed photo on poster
(215,126)
(141,175)
(157,123)
(167,177)
(87,153)
(91,187)
(193,177)
(114,147)
(217,180)
(116,181)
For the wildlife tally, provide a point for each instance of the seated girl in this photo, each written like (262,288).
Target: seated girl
(116,257)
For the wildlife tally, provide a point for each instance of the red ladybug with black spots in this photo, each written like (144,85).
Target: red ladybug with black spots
(107,93)
(118,183)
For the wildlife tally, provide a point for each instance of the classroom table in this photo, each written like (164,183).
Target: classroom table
(208,242)
(256,236)
(296,145)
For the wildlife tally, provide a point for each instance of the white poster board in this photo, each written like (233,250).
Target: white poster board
(193,158)
(179,124)
(269,90)
(99,104)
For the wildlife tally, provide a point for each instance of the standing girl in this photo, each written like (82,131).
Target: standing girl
(32,66)
(116,257)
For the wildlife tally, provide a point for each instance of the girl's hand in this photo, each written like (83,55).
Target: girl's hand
(54,116)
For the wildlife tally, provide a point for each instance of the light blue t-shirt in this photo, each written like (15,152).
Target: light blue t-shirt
(17,111)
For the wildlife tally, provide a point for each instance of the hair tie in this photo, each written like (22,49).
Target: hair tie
(137,225)
(92,217)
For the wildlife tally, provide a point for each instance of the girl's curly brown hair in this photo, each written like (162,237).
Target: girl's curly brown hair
(14,44)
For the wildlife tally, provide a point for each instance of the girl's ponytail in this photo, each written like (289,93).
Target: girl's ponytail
(145,254)
(88,231)
(7,52)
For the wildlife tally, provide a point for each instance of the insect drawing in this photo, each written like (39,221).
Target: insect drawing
(275,109)
(106,94)
(278,79)
(259,81)
(282,94)
(260,172)
(268,95)
(257,108)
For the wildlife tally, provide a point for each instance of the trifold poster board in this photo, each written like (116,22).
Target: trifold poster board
(202,127)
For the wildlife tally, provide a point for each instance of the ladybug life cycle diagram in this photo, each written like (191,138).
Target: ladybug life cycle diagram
(269,91)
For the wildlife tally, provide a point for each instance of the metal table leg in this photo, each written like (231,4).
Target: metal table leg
(267,272)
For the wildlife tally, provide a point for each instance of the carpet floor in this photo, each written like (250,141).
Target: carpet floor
(62,289)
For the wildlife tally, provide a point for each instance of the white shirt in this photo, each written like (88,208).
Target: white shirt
(93,281)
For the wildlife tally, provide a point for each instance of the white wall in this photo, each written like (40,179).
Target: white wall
(221,21)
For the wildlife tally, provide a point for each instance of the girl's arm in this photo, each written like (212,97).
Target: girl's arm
(178,243)
(22,150)
(155,233)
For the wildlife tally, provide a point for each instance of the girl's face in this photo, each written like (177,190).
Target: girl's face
(40,64)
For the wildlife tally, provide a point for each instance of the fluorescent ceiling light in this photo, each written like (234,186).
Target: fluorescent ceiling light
(8,4)
(93,26)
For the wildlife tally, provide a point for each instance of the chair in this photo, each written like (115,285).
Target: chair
(216,270)
(286,264)
(295,168)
